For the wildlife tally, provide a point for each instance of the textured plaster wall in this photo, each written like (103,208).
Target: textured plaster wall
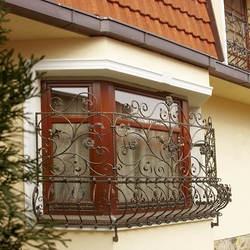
(235,243)
(189,236)
(231,121)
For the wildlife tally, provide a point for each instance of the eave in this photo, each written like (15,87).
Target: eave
(89,25)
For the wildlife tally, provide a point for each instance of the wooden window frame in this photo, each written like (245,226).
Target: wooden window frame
(101,89)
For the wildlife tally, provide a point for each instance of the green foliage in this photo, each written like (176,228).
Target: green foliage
(18,228)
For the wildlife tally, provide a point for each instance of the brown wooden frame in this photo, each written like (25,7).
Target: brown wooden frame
(104,91)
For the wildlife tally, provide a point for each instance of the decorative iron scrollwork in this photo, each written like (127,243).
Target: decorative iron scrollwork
(237,29)
(125,169)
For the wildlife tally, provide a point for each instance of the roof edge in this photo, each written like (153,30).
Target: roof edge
(84,23)
(231,74)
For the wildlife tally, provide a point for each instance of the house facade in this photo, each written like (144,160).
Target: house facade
(143,123)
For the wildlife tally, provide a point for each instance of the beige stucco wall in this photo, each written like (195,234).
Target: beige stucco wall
(231,120)
(229,108)
(101,47)
(190,236)
(124,54)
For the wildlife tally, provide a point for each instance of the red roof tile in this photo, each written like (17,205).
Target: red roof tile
(185,22)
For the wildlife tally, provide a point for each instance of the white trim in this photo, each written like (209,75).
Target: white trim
(73,67)
(192,86)
(223,28)
(96,64)
(31,106)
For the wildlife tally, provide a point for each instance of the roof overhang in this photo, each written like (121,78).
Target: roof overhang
(26,29)
(106,68)
(82,23)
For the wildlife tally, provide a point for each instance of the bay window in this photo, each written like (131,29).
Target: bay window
(116,156)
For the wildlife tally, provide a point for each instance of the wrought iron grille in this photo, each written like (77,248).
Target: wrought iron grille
(142,166)
(237,30)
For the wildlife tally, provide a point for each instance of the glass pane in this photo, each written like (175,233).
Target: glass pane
(70,100)
(145,159)
(122,98)
(239,11)
(144,106)
(71,167)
